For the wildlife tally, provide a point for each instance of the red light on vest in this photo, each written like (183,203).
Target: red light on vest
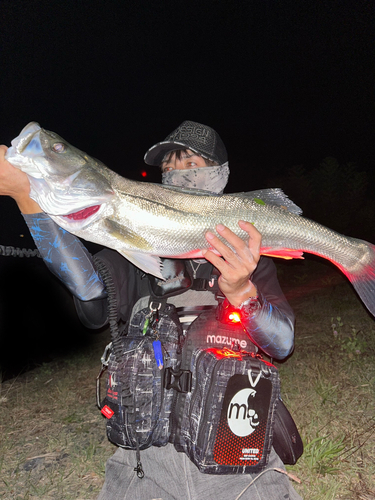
(225,353)
(234,317)
(228,314)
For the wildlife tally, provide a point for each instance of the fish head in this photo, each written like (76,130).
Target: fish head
(64,181)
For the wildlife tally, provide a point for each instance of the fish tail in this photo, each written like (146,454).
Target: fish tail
(362,276)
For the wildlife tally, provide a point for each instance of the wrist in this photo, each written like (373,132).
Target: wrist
(27,205)
(250,307)
(248,302)
(249,292)
(246,311)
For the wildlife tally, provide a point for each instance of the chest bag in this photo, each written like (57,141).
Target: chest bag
(225,422)
(134,389)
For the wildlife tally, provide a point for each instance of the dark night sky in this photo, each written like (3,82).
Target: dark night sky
(283,82)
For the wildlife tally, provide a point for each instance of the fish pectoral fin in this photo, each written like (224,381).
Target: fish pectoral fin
(123,233)
(282,253)
(150,264)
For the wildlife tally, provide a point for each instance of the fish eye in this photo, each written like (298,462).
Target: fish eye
(59,147)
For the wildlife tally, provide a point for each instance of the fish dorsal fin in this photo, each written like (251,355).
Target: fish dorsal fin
(272,196)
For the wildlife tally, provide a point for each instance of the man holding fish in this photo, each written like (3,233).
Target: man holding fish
(192,157)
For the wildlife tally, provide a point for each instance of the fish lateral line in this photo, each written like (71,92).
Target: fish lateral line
(170,205)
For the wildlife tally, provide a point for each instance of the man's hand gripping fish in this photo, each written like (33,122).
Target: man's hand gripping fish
(144,221)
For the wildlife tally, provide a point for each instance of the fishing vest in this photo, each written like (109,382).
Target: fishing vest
(166,376)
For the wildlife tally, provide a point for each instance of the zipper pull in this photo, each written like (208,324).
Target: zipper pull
(158,353)
(152,317)
(146,323)
(154,321)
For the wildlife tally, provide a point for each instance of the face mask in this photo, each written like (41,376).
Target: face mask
(212,179)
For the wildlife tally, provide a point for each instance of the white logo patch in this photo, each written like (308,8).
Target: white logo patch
(242,419)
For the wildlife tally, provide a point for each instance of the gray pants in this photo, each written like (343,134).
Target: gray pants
(170,475)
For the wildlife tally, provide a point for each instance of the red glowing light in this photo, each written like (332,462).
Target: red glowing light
(229,314)
(225,353)
(234,317)
(144,174)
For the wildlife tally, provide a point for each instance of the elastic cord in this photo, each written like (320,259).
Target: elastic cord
(19,252)
(112,306)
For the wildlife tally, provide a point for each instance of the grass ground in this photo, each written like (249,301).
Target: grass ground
(329,384)
(53,443)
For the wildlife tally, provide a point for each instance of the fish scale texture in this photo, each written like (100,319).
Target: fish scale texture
(145,221)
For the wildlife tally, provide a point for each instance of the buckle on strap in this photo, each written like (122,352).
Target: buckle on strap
(203,284)
(179,380)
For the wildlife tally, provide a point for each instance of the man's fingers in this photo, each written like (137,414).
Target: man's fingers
(251,230)
(213,258)
(220,246)
(255,238)
(240,248)
(3,150)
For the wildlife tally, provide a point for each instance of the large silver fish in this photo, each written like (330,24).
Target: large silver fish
(146,221)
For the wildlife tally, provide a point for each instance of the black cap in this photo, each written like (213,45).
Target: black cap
(190,135)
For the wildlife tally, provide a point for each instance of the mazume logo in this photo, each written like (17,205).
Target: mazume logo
(224,340)
(241,416)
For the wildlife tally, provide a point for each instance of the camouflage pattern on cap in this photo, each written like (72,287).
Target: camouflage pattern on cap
(199,138)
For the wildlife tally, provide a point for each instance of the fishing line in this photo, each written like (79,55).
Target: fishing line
(261,474)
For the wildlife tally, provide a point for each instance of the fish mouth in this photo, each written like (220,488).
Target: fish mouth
(25,138)
(83,214)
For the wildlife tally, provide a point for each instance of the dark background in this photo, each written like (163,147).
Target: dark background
(285,83)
